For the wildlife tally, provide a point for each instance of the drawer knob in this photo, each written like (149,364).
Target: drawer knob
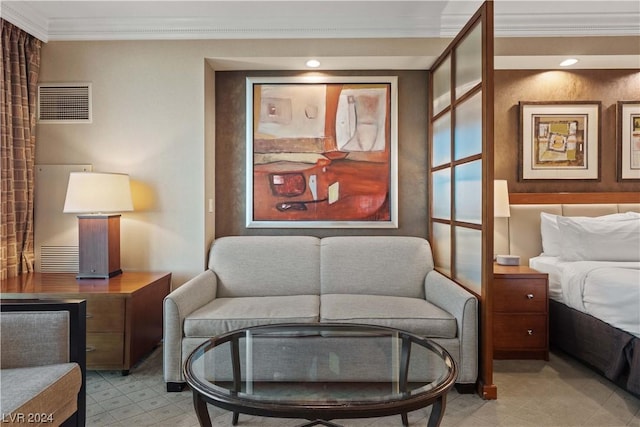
(529,296)
(529,331)
(89,316)
(90,348)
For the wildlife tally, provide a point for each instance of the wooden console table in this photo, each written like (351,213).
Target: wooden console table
(124,313)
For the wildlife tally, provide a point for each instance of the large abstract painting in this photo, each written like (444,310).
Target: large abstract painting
(322,152)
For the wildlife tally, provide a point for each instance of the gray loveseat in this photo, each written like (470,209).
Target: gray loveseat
(381,280)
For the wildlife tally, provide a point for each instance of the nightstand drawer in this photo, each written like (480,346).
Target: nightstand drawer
(521,331)
(520,295)
(104,351)
(105,314)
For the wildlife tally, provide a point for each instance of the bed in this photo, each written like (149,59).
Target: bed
(594,289)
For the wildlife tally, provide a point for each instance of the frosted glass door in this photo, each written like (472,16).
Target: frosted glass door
(461,170)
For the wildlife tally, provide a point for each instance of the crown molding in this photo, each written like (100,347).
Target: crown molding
(581,24)
(549,25)
(23,15)
(211,28)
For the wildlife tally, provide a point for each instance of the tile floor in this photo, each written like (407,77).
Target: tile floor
(560,392)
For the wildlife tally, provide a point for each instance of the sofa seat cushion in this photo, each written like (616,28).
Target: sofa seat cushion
(414,315)
(227,314)
(48,389)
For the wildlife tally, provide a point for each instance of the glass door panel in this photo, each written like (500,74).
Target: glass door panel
(441,151)
(442,86)
(468,131)
(468,258)
(469,62)
(442,194)
(442,247)
(468,192)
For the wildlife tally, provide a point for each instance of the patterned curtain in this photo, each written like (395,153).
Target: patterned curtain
(19,68)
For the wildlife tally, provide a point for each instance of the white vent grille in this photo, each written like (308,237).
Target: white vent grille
(59,259)
(64,103)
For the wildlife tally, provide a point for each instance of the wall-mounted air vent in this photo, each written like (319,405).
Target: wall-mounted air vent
(64,103)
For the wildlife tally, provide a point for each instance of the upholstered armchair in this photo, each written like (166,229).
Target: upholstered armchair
(42,362)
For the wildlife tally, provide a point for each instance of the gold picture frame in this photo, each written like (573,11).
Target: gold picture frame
(628,130)
(559,140)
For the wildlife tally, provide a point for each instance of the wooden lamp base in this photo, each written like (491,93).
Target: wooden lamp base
(99,246)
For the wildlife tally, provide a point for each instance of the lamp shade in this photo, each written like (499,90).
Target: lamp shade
(501,199)
(95,192)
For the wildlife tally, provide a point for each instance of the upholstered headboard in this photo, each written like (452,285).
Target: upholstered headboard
(523,228)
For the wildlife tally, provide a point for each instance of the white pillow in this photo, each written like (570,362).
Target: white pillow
(592,239)
(550,235)
(551,239)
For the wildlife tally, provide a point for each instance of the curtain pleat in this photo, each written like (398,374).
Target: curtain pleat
(20,65)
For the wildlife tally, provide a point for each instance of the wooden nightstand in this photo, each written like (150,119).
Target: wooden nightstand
(124,313)
(520,313)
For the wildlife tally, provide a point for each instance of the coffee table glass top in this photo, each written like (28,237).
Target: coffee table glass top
(319,365)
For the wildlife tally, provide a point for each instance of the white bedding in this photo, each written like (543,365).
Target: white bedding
(553,267)
(609,291)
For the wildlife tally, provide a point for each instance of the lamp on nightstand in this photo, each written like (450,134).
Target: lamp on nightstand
(501,209)
(501,199)
(98,197)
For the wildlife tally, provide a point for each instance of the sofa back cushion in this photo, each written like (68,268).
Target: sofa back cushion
(250,266)
(375,265)
(34,338)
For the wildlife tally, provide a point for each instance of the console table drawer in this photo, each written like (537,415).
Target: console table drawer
(105,314)
(520,331)
(104,350)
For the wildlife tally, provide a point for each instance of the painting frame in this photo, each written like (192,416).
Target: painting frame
(559,140)
(628,140)
(315,172)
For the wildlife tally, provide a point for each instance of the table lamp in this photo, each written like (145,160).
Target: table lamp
(98,197)
(501,209)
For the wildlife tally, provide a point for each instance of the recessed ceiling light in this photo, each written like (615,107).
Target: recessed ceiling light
(567,62)
(313,63)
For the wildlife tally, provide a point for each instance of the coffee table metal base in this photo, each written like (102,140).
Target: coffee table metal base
(200,406)
(319,423)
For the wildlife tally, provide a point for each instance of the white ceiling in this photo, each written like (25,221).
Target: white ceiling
(240,19)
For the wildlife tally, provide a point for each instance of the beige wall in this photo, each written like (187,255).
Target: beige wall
(606,86)
(148,122)
(154,117)
(412,156)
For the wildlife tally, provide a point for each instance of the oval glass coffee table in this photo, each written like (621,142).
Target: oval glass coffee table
(320,372)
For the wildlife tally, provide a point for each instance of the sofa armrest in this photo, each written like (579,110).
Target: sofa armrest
(461,304)
(181,302)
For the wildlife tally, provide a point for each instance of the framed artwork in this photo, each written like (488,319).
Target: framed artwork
(628,113)
(559,140)
(321,152)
